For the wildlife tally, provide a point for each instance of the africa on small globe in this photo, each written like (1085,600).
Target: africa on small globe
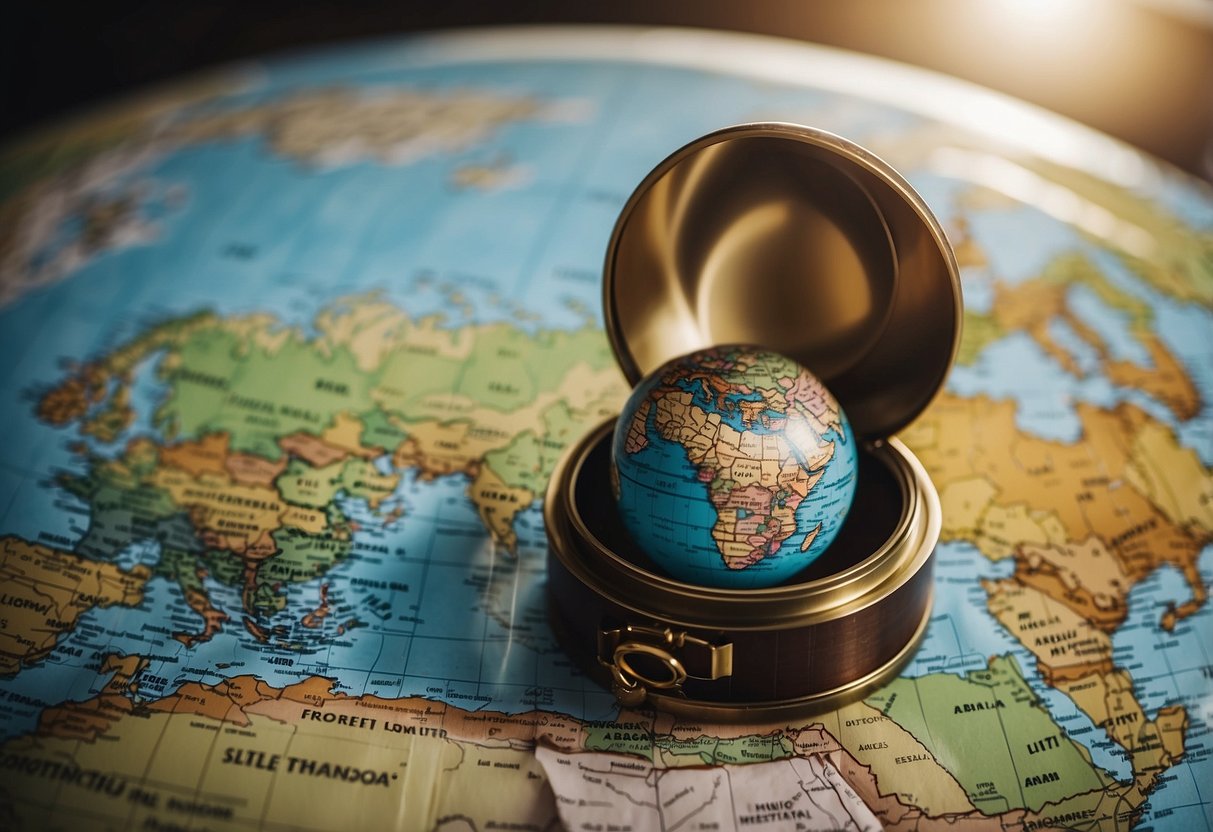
(733,467)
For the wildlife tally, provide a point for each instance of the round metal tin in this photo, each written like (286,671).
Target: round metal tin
(796,240)
(842,629)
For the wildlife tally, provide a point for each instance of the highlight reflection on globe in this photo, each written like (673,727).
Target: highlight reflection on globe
(733,467)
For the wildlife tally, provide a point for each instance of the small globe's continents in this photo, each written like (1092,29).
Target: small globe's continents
(733,467)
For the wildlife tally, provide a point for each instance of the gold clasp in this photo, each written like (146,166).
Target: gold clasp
(641,659)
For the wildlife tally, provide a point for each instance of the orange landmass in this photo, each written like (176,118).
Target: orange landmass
(1166,381)
(1055,570)
(207,455)
(87,720)
(212,455)
(498,503)
(312,705)
(249,469)
(312,450)
(118,415)
(315,618)
(238,518)
(1087,486)
(214,619)
(968,252)
(44,591)
(72,399)
(254,629)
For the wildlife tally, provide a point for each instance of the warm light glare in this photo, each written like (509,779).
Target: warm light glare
(1005,177)
(1059,17)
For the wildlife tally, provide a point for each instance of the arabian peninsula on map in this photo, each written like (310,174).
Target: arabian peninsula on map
(287,357)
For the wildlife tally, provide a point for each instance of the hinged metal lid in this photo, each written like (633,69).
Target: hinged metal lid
(796,240)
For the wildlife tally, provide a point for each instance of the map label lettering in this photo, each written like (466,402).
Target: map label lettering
(365,722)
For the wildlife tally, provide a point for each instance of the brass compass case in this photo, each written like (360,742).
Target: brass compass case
(798,241)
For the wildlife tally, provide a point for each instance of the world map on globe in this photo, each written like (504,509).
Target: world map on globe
(733,467)
(288,353)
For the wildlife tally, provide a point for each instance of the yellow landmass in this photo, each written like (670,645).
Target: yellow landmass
(346,434)
(1004,529)
(441,447)
(1108,699)
(896,816)
(1034,305)
(700,432)
(637,436)
(1166,252)
(263,773)
(1172,477)
(499,173)
(259,330)
(1029,304)
(419,762)
(1084,576)
(370,328)
(44,591)
(1065,644)
(1153,746)
(964,504)
(969,253)
(901,765)
(498,504)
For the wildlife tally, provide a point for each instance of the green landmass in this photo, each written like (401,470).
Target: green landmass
(979,331)
(529,459)
(225,380)
(300,558)
(623,738)
(992,733)
(360,478)
(304,485)
(379,430)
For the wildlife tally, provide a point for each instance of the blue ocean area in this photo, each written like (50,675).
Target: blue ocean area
(1017,262)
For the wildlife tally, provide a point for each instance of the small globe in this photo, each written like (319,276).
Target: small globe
(733,467)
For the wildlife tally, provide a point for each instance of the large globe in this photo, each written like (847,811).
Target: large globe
(733,467)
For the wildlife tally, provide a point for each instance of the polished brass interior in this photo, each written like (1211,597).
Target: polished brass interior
(796,240)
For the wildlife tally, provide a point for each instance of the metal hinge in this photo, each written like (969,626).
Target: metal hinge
(635,656)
